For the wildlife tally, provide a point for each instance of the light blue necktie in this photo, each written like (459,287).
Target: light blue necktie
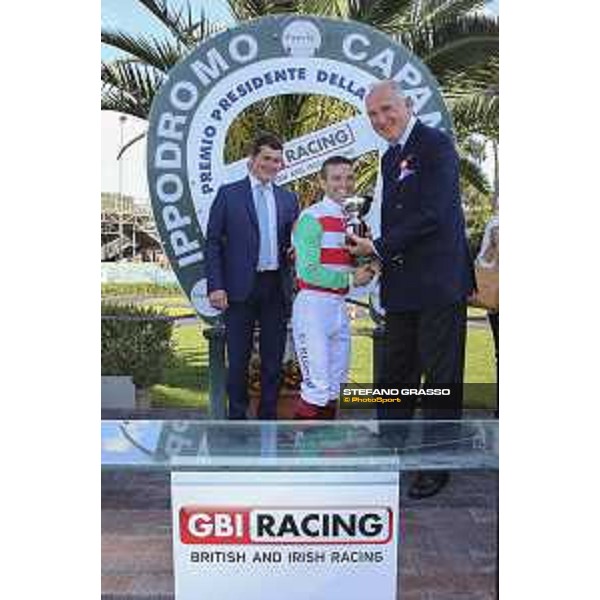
(262,212)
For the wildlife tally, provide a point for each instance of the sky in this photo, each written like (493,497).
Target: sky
(132,17)
(492,7)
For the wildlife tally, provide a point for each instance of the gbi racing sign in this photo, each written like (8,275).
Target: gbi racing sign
(264,525)
(316,535)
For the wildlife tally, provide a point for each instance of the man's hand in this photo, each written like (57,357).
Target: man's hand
(218,299)
(360,246)
(375,265)
(362,275)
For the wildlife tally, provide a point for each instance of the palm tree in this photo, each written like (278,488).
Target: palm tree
(129,84)
(459,46)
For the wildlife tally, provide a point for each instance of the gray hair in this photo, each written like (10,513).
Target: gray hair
(395,85)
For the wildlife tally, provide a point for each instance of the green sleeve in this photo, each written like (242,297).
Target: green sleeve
(307,244)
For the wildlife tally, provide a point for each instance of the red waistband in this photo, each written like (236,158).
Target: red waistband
(303,285)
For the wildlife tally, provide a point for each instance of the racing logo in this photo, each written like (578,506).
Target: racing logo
(277,525)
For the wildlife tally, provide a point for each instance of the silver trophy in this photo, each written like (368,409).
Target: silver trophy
(354,209)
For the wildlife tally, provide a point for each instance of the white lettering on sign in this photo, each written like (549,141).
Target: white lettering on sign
(353,47)
(211,71)
(243,48)
(339,526)
(352,41)
(221,525)
(408,74)
(184,95)
(384,61)
(344,525)
(173,218)
(170,126)
(169,187)
(318,145)
(168,156)
(182,244)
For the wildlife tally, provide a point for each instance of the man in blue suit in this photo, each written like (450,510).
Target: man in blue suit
(427,271)
(248,272)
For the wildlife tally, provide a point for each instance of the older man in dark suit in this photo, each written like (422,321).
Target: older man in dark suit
(426,267)
(248,272)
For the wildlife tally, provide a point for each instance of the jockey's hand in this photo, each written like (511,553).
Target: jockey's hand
(362,276)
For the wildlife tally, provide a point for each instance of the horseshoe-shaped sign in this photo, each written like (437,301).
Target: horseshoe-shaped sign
(276,55)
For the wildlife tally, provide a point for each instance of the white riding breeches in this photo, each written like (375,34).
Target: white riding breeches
(321,330)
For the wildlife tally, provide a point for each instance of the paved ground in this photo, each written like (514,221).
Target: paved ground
(449,551)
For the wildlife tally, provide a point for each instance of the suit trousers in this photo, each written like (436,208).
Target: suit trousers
(425,348)
(265,305)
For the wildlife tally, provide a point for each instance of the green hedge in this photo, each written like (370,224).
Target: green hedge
(139,347)
(140,289)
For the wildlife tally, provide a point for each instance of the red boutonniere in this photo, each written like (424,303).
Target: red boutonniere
(408,167)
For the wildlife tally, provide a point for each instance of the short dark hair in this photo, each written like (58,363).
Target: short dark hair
(334,160)
(265,139)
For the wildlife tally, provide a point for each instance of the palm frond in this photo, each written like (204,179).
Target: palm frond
(319,111)
(280,114)
(244,10)
(390,16)
(473,146)
(160,54)
(454,44)
(477,114)
(239,136)
(170,18)
(472,174)
(431,10)
(367,171)
(202,29)
(129,87)
(113,100)
(481,79)
(324,8)
(286,6)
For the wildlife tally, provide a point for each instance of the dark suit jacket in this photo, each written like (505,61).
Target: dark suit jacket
(423,244)
(232,243)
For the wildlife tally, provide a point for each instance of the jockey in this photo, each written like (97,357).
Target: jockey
(325,270)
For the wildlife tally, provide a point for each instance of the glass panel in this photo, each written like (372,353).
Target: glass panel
(398,445)
(448,543)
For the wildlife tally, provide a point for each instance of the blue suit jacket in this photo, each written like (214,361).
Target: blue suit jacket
(423,244)
(232,243)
